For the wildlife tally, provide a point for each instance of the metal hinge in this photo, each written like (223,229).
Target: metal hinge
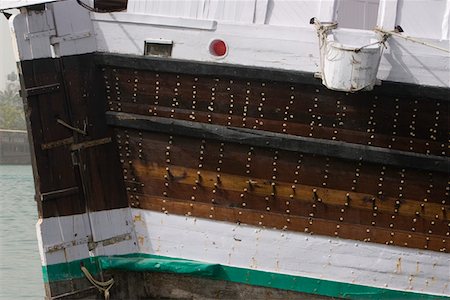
(69,37)
(49,33)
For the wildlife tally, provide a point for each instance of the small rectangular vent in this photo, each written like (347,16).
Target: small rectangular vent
(162,48)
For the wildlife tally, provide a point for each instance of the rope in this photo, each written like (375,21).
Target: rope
(408,38)
(382,41)
(103,287)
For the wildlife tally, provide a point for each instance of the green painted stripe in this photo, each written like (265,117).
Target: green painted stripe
(156,263)
(69,270)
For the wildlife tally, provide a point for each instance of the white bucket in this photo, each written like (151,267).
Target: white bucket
(350,59)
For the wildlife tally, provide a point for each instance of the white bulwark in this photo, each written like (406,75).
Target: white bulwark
(273,34)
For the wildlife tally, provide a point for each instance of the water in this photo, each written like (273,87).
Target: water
(20,265)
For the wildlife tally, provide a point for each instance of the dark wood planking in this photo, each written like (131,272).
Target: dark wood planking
(276,126)
(280,141)
(99,165)
(330,108)
(358,106)
(262,188)
(52,168)
(145,177)
(311,170)
(157,64)
(77,99)
(170,91)
(338,179)
(231,194)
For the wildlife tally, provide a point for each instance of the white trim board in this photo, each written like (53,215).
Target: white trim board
(292,253)
(65,239)
(269,46)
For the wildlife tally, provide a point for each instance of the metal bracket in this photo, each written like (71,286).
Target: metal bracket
(89,144)
(70,37)
(58,143)
(59,193)
(61,246)
(43,89)
(114,240)
(89,241)
(33,35)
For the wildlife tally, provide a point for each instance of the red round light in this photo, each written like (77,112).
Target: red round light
(218,48)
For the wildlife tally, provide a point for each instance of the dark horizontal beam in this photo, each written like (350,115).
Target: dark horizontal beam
(171,65)
(259,138)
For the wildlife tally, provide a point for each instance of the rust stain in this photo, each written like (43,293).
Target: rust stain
(137,218)
(399,266)
(141,240)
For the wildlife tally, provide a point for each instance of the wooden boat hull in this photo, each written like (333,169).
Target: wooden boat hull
(244,175)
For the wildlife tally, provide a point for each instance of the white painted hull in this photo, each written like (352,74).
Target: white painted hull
(247,247)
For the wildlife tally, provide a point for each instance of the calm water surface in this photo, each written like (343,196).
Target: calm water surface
(20,266)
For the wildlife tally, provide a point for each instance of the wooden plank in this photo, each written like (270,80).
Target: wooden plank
(280,141)
(362,136)
(306,169)
(392,89)
(52,167)
(98,166)
(180,168)
(235,191)
(283,107)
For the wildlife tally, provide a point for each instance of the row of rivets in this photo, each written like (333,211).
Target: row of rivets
(108,89)
(135,86)
(156,97)
(246,103)
(218,182)
(168,176)
(140,148)
(371,122)
(395,123)
(315,118)
(194,99)
(296,176)
(340,114)
(231,103)
(213,98)
(175,103)
(412,126)
(117,90)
